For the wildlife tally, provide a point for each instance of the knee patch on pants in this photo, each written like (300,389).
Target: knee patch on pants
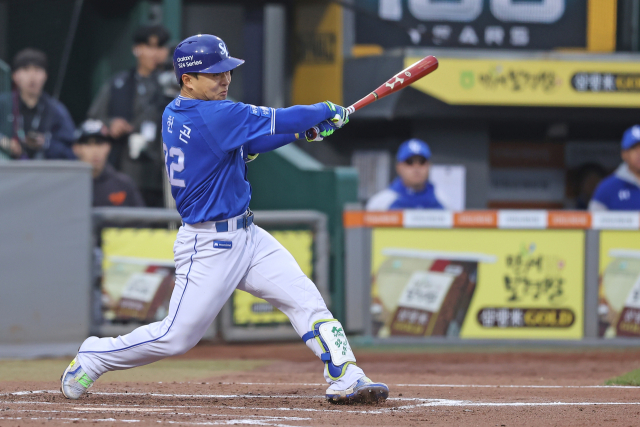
(337,354)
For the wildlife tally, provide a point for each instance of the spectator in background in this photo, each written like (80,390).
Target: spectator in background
(36,126)
(131,106)
(411,189)
(621,191)
(110,187)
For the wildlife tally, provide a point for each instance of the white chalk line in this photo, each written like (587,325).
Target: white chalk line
(194,396)
(242,408)
(518,386)
(425,402)
(201,423)
(465,385)
(158,411)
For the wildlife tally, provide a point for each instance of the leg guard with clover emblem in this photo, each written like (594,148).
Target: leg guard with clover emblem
(337,354)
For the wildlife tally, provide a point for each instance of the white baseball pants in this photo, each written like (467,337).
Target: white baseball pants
(207,273)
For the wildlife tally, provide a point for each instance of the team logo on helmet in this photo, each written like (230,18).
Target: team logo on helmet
(414,146)
(223,49)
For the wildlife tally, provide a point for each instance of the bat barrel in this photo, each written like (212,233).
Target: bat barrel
(401,80)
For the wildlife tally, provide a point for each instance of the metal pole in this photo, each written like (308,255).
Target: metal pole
(172,18)
(73,26)
(635,18)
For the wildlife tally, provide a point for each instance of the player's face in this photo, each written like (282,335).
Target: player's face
(93,152)
(632,158)
(30,79)
(414,172)
(211,87)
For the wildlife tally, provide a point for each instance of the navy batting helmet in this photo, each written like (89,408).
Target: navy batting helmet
(203,53)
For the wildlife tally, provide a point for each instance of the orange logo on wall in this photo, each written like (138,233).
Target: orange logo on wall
(118,198)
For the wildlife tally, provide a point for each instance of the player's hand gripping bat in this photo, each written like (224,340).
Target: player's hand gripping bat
(404,78)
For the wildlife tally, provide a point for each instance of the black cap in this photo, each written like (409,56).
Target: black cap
(92,128)
(143,35)
(29,56)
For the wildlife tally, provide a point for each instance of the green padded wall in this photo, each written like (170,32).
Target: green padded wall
(289,178)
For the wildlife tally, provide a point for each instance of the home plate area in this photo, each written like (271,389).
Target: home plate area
(453,389)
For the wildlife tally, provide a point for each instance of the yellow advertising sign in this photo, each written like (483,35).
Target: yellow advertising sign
(533,82)
(139,273)
(619,295)
(141,256)
(478,283)
(248,309)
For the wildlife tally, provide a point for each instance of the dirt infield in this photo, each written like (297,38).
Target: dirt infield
(281,385)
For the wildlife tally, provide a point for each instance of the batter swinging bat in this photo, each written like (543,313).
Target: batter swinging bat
(401,80)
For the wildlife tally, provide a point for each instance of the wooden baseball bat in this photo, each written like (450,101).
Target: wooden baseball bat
(401,80)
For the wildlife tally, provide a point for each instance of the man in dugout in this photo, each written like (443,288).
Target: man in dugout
(411,189)
(621,190)
(131,105)
(110,187)
(33,125)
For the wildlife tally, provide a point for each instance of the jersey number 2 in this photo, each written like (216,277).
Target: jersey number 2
(173,167)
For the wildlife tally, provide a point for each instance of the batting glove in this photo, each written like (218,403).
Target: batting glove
(320,131)
(250,157)
(340,114)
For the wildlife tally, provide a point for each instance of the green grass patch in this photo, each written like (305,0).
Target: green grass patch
(164,370)
(630,378)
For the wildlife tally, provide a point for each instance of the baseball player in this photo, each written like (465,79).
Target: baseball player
(207,142)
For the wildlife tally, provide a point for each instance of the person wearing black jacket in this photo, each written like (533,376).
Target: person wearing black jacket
(129,104)
(33,125)
(110,187)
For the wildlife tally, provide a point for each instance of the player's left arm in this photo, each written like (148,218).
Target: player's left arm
(272,142)
(260,129)
(301,117)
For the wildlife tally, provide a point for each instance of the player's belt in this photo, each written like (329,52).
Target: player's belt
(240,222)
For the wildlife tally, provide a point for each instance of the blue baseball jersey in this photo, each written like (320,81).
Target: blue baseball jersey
(203,148)
(618,194)
(409,199)
(397,196)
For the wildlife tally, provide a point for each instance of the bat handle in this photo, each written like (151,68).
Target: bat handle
(373,96)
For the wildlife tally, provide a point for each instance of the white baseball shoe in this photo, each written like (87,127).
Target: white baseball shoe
(362,391)
(74,381)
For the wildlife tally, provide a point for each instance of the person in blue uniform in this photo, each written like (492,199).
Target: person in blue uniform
(411,189)
(621,191)
(207,141)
